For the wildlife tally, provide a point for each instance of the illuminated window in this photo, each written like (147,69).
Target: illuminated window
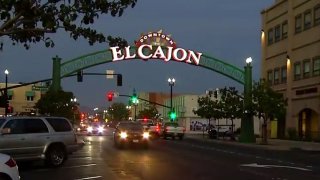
(270,36)
(316,66)
(298,24)
(316,15)
(306,68)
(276,76)
(277,33)
(283,74)
(269,76)
(297,71)
(307,19)
(284,29)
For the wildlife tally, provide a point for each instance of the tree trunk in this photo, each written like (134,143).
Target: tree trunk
(264,131)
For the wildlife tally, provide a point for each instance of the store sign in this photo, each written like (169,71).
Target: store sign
(156,46)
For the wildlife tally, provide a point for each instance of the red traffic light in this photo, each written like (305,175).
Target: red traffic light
(110,96)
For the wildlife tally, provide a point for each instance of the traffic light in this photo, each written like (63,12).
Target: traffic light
(134,99)
(172,115)
(110,96)
(80,76)
(119,80)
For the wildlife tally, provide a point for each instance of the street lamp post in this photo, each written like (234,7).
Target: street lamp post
(171,84)
(74,101)
(6,93)
(247,131)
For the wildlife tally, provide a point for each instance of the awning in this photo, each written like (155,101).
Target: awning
(10,93)
(29,93)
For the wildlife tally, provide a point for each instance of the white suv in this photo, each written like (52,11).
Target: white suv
(8,168)
(30,138)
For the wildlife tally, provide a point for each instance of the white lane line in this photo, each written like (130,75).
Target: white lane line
(85,165)
(75,158)
(93,177)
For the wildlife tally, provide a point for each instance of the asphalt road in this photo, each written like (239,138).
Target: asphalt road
(171,159)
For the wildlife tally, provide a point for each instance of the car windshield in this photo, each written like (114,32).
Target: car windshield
(1,122)
(130,126)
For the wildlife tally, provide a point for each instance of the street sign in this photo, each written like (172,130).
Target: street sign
(115,94)
(40,88)
(110,74)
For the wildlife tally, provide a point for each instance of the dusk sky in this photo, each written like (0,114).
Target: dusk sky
(228,30)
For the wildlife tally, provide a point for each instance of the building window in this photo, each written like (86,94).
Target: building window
(276,76)
(269,76)
(316,66)
(298,24)
(306,68)
(297,71)
(307,20)
(316,15)
(30,98)
(277,34)
(284,74)
(270,36)
(284,29)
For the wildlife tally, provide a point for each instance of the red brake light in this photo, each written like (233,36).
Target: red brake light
(11,163)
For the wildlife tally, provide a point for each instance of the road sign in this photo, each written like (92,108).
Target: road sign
(110,74)
(40,88)
(115,94)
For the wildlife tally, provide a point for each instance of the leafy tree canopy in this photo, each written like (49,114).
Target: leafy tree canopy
(56,104)
(150,112)
(30,21)
(118,112)
(208,108)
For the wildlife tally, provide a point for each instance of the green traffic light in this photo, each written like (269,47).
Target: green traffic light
(173,115)
(134,100)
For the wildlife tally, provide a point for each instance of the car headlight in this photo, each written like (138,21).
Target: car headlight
(89,129)
(123,135)
(146,135)
(100,129)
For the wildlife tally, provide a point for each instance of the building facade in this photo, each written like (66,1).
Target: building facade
(184,105)
(22,99)
(290,43)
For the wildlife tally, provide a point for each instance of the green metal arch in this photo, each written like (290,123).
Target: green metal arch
(105,56)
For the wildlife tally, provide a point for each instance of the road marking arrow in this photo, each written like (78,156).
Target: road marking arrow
(274,166)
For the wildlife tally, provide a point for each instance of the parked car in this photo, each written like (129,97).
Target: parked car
(8,168)
(173,130)
(33,138)
(128,133)
(221,131)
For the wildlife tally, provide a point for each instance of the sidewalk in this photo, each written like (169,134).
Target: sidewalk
(273,144)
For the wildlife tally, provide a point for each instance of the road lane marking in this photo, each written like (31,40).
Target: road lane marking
(93,177)
(275,166)
(85,165)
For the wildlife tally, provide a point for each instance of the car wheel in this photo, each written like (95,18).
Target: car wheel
(4,177)
(56,156)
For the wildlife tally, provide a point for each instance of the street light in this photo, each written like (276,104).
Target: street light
(6,93)
(247,130)
(171,84)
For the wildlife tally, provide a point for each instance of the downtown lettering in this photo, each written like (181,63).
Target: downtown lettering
(146,52)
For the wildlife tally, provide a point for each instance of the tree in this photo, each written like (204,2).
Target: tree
(31,21)
(150,112)
(208,108)
(56,104)
(118,112)
(267,104)
(231,103)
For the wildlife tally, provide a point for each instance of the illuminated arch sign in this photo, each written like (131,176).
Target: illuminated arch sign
(156,46)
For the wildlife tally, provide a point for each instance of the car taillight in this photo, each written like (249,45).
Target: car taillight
(157,128)
(11,163)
